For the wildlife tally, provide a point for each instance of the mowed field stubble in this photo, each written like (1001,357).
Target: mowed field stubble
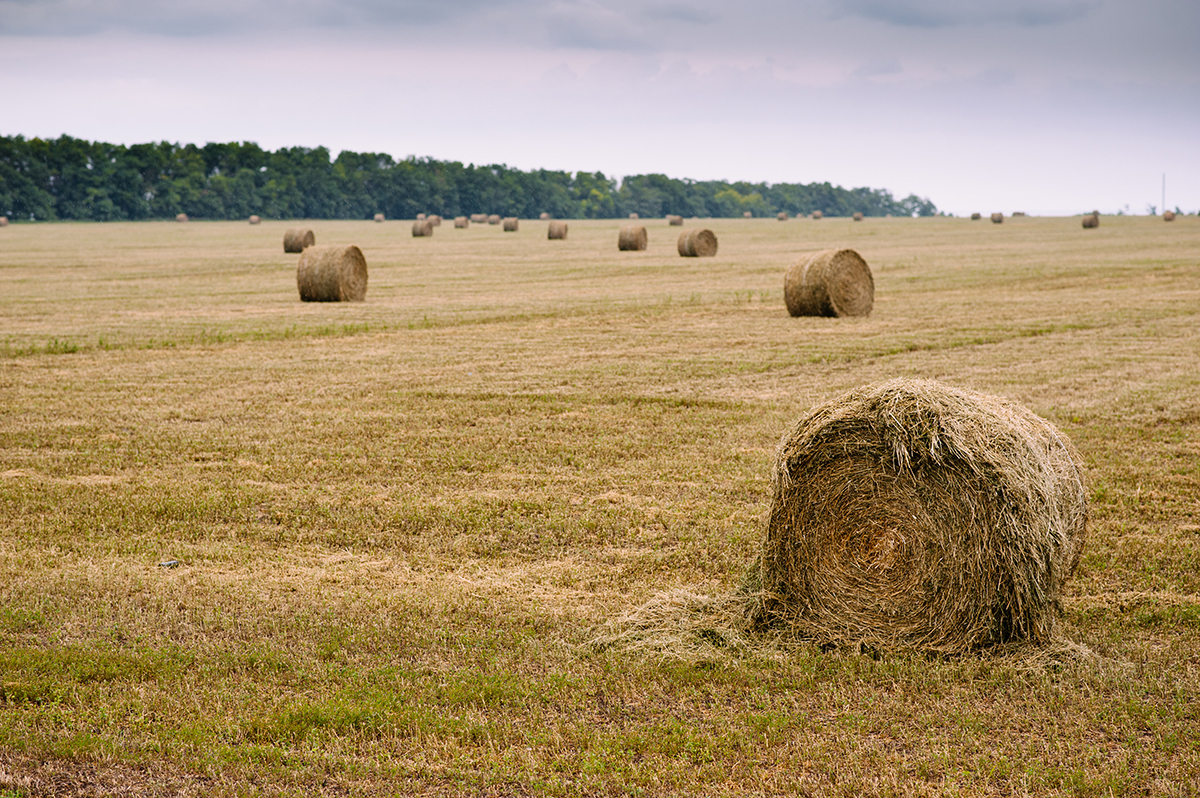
(253,546)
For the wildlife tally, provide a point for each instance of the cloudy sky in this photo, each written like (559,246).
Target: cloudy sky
(1047,106)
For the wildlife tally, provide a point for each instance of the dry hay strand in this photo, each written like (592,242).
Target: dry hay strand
(511,224)
(782,216)
(632,238)
(379,217)
(255,220)
(698,243)
(674,220)
(832,282)
(1168,216)
(818,215)
(434,220)
(975,217)
(332,274)
(422,228)
(181,217)
(556,230)
(3,221)
(479,218)
(1091,220)
(633,216)
(747,215)
(997,218)
(912,515)
(545,217)
(296,239)
(420,217)
(461,221)
(493,219)
(858,216)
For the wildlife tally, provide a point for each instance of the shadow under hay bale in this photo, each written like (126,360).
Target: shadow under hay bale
(295,239)
(422,228)
(913,515)
(997,218)
(1091,220)
(332,274)
(461,222)
(632,238)
(511,224)
(255,220)
(557,230)
(698,243)
(832,282)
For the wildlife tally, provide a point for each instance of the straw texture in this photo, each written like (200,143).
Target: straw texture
(699,243)
(632,238)
(332,274)
(297,238)
(832,282)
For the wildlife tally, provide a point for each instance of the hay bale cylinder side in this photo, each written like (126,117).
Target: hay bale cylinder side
(698,243)
(675,220)
(332,274)
(913,515)
(832,282)
(255,220)
(511,224)
(422,228)
(493,219)
(557,230)
(479,218)
(632,238)
(296,239)
(461,222)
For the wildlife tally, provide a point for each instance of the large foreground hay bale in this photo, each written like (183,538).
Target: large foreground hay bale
(255,220)
(632,238)
(511,224)
(493,218)
(297,238)
(699,243)
(832,282)
(975,217)
(545,217)
(556,230)
(461,221)
(379,217)
(997,218)
(422,228)
(910,514)
(782,216)
(1168,216)
(858,216)
(675,220)
(181,217)
(1091,220)
(332,274)
(818,215)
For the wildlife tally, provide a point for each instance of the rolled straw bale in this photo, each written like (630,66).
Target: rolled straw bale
(818,215)
(181,217)
(545,217)
(510,224)
(1018,213)
(832,282)
(255,220)
(1091,220)
(1168,216)
(434,220)
(332,274)
(479,218)
(858,216)
(461,221)
(674,220)
(493,219)
(698,243)
(297,238)
(912,515)
(747,215)
(556,230)
(632,238)
(422,228)
(782,216)
(997,218)
(975,217)
(3,221)
(379,217)
(420,217)
(633,216)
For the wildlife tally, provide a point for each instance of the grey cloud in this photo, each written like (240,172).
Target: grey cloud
(949,13)
(878,67)
(591,26)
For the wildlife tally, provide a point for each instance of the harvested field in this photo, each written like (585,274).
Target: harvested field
(254,546)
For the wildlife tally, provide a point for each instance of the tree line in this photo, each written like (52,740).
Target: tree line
(69,178)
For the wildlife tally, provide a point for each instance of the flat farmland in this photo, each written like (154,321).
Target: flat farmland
(254,546)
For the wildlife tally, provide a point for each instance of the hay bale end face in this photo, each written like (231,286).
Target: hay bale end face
(511,224)
(675,221)
(379,217)
(632,238)
(832,282)
(332,274)
(858,216)
(1168,216)
(912,515)
(182,217)
(1091,220)
(997,218)
(493,219)
(545,217)
(699,243)
(297,238)
(782,216)
(422,228)
(255,220)
(975,217)
(557,230)
(461,222)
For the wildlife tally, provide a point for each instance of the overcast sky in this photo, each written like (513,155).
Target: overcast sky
(1046,106)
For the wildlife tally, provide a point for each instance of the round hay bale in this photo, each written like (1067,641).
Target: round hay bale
(3,221)
(510,224)
(545,217)
(297,238)
(422,228)
(556,230)
(493,219)
(818,215)
(461,221)
(1168,216)
(975,217)
(1091,220)
(434,220)
(255,220)
(913,515)
(633,216)
(420,217)
(181,217)
(632,238)
(479,218)
(675,221)
(858,216)
(698,243)
(997,218)
(332,274)
(379,217)
(1018,213)
(782,216)
(747,215)
(832,282)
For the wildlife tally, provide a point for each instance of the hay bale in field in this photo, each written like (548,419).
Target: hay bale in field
(511,224)
(545,217)
(674,220)
(1018,213)
(1168,216)
(747,215)
(556,230)
(332,274)
(461,221)
(997,218)
(422,228)
(698,243)
(434,220)
(3,221)
(181,217)
(479,218)
(832,282)
(493,218)
(420,217)
(975,217)
(297,238)
(632,238)
(818,215)
(633,216)
(782,216)
(858,216)
(913,515)
(255,220)
(1091,220)
(379,217)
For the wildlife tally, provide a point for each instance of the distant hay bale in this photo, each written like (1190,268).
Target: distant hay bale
(698,243)
(632,238)
(1168,216)
(997,218)
(461,221)
(181,217)
(832,282)
(420,217)
(493,218)
(1091,220)
(297,238)
(556,230)
(332,274)
(545,217)
(255,220)
(818,215)
(674,220)
(858,216)
(747,215)
(3,221)
(379,217)
(479,218)
(633,216)
(1018,213)
(782,216)
(975,217)
(422,228)
(434,220)
(913,515)
(510,224)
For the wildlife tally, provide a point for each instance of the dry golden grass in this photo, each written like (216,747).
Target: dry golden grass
(399,523)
